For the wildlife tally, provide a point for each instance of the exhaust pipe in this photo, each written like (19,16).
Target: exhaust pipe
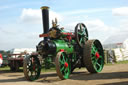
(45,18)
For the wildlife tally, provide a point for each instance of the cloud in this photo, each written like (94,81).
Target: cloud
(124,23)
(119,34)
(118,37)
(30,16)
(83,11)
(122,11)
(17,35)
(14,37)
(96,24)
(97,29)
(27,36)
(18,39)
(92,25)
(35,16)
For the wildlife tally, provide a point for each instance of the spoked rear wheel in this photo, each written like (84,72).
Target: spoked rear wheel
(93,56)
(62,65)
(31,67)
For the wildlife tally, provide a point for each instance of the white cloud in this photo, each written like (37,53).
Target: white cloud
(122,11)
(35,16)
(119,34)
(31,15)
(97,29)
(124,23)
(92,25)
(28,36)
(18,39)
(83,11)
(17,35)
(96,24)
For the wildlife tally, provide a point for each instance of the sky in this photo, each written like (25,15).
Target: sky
(21,23)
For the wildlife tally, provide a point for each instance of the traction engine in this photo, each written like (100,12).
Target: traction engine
(66,50)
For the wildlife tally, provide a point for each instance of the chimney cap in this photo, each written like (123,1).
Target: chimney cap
(44,7)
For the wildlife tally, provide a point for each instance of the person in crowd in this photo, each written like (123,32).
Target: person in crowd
(1,60)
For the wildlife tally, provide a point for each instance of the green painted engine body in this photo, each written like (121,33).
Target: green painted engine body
(63,45)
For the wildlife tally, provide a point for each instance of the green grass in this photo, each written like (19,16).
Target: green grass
(53,69)
(120,62)
(4,68)
(123,62)
(7,68)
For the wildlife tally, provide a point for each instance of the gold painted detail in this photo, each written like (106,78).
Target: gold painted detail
(54,23)
(44,7)
(52,33)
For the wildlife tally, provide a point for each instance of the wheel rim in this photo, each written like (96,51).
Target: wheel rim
(81,34)
(32,68)
(62,65)
(97,56)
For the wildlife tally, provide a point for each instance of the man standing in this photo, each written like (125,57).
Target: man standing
(1,60)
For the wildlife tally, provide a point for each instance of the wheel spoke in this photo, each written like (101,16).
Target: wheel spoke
(61,61)
(66,58)
(62,68)
(81,27)
(79,33)
(97,60)
(84,31)
(93,51)
(98,64)
(81,40)
(93,57)
(64,71)
(63,57)
(100,57)
(86,37)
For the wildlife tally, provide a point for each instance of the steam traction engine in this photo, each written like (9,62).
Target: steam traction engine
(66,49)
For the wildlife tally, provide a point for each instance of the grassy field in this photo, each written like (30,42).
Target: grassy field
(6,68)
(53,68)
(120,62)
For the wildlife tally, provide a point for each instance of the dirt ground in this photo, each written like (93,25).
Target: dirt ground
(111,75)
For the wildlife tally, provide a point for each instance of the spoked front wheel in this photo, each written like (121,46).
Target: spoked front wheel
(31,67)
(62,65)
(93,56)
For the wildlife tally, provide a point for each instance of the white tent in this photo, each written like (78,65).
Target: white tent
(22,50)
(122,53)
(125,44)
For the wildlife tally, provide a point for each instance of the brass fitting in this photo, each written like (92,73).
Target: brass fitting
(44,7)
